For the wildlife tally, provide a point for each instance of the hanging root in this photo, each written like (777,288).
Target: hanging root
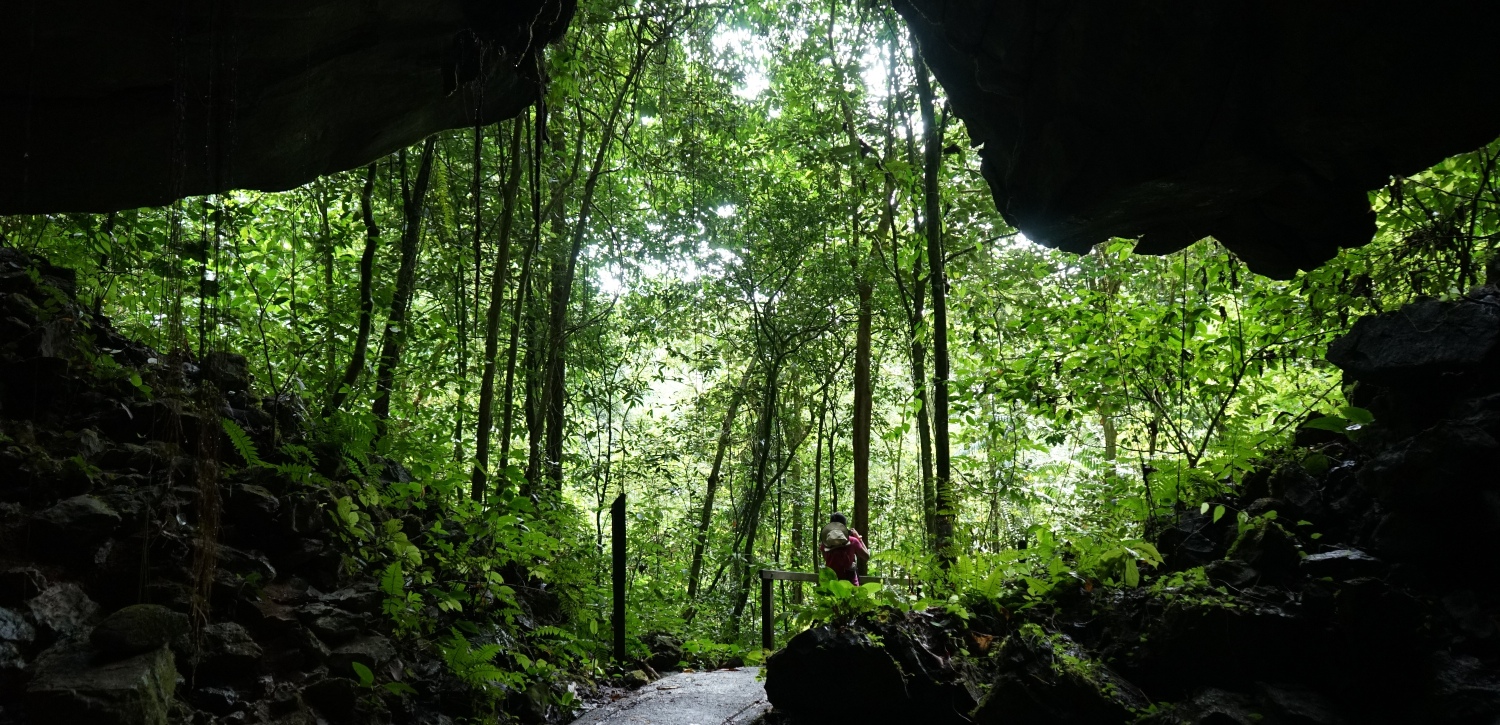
(206,539)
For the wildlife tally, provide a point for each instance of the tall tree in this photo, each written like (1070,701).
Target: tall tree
(366,298)
(565,269)
(414,201)
(498,280)
(711,486)
(945,502)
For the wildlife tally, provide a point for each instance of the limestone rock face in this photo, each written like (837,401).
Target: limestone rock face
(69,688)
(1263,124)
(107,106)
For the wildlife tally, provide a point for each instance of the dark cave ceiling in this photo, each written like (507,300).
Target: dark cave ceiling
(111,105)
(1263,124)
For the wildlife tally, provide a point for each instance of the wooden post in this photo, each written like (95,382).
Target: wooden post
(767,637)
(617,549)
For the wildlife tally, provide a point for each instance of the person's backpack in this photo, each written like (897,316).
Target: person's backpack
(835,536)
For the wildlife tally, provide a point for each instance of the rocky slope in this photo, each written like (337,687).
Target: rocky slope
(1372,595)
(147,574)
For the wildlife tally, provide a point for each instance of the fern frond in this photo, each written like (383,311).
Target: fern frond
(241,442)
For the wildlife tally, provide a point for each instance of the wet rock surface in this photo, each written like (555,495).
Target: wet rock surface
(71,686)
(1368,596)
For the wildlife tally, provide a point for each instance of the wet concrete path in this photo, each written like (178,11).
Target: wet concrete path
(720,697)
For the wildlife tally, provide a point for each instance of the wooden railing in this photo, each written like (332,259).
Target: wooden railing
(767,634)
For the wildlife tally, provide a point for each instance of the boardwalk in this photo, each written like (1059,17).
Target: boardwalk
(721,697)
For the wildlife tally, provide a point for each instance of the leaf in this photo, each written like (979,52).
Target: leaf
(391,581)
(1357,416)
(366,677)
(1204,508)
(1132,573)
(399,688)
(1328,422)
(1218,512)
(241,442)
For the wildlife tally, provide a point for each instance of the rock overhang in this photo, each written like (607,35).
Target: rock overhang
(107,106)
(1262,124)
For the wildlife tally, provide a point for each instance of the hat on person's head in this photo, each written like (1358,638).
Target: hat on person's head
(838,518)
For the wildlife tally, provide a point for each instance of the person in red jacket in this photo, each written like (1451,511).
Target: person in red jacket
(842,559)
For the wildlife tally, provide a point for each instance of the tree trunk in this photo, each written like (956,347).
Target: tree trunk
(366,301)
(562,288)
(818,472)
(518,306)
(395,325)
(712,485)
(329,347)
(862,411)
(944,500)
(533,364)
(498,281)
(750,513)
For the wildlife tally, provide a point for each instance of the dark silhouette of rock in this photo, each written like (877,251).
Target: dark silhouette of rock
(226,653)
(68,687)
(19,583)
(1421,343)
(1268,548)
(899,670)
(73,528)
(334,697)
(1261,124)
(1053,680)
(216,95)
(371,651)
(138,628)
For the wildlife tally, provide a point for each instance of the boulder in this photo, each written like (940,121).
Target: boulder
(62,609)
(227,655)
(666,651)
(1419,343)
(19,583)
(138,628)
(332,625)
(254,512)
(1049,678)
(1267,548)
(68,687)
(335,697)
(900,670)
(370,651)
(1342,564)
(72,529)
(13,671)
(14,628)
(229,372)
(1231,572)
(846,661)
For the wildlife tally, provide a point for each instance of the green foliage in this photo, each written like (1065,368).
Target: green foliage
(765,173)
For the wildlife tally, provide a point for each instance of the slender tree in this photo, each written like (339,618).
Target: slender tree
(945,501)
(498,281)
(414,203)
(366,298)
